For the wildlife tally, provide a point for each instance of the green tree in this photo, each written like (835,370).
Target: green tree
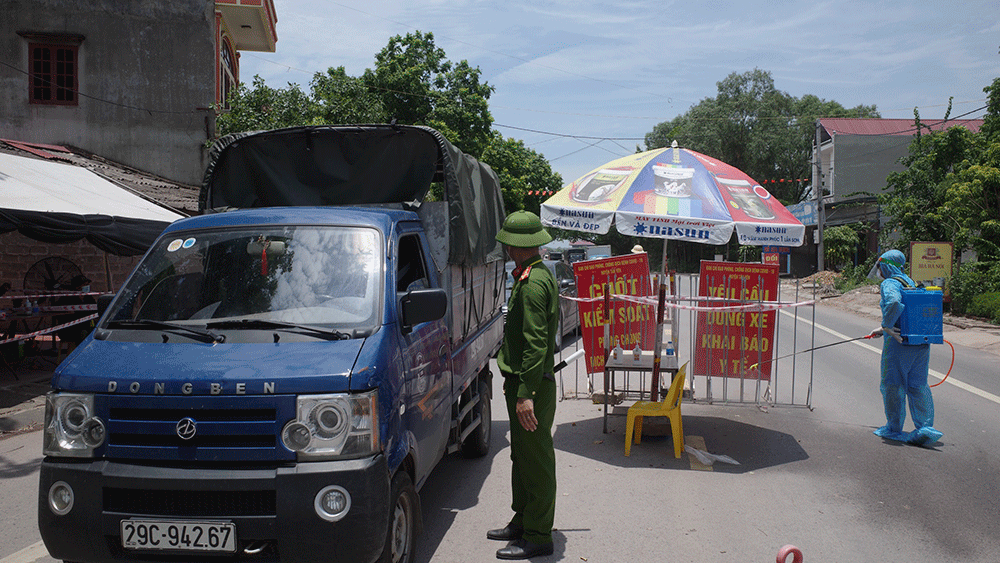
(972,194)
(916,198)
(343,99)
(419,86)
(757,128)
(521,170)
(415,84)
(839,245)
(262,107)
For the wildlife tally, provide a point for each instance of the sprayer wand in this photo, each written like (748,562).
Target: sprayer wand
(811,349)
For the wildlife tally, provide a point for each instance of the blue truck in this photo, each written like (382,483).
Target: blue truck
(279,375)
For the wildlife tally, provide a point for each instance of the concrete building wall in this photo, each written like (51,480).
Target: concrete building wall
(146,81)
(861,164)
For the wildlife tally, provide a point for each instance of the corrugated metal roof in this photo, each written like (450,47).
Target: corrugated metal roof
(855,126)
(178,197)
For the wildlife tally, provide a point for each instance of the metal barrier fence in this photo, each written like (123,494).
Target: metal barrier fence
(789,383)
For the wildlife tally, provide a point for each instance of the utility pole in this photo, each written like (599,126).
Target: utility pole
(817,181)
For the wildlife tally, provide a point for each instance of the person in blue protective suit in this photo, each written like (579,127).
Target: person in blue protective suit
(904,366)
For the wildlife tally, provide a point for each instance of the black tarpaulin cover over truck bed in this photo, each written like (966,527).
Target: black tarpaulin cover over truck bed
(357,165)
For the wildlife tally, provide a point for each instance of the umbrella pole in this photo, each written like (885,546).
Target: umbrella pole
(663,265)
(107,271)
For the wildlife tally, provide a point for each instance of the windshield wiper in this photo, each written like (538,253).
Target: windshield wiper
(261,324)
(199,334)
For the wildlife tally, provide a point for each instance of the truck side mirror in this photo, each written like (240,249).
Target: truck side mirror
(422,305)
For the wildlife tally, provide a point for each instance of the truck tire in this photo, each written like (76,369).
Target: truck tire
(477,443)
(403,513)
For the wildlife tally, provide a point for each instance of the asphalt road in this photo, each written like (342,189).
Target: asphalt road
(816,478)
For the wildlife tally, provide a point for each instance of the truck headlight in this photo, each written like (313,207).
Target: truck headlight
(333,426)
(71,427)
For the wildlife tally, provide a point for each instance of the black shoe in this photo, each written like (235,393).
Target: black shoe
(511,532)
(524,549)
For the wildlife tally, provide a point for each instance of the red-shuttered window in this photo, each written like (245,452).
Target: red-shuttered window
(53,74)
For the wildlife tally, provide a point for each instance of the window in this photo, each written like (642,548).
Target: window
(411,274)
(53,74)
(227,73)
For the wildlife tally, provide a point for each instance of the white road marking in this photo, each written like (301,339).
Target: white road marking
(29,554)
(951,379)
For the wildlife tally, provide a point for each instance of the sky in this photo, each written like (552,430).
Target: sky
(583,81)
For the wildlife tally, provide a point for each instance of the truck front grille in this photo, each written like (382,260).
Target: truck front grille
(189,504)
(225,428)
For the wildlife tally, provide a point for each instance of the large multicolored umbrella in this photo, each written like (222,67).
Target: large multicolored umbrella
(673,194)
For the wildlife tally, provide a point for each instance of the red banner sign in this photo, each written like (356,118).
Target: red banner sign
(728,343)
(631,323)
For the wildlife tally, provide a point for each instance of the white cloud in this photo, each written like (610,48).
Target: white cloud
(617,68)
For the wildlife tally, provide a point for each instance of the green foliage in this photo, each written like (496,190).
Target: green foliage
(749,253)
(972,279)
(262,108)
(972,196)
(757,128)
(916,202)
(412,82)
(419,86)
(852,277)
(415,84)
(521,170)
(839,245)
(986,305)
(343,99)
(950,190)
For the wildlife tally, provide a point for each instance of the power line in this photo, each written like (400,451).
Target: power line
(568,135)
(96,99)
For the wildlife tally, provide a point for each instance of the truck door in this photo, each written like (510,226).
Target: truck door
(426,361)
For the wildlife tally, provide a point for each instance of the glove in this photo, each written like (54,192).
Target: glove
(876,332)
(894,333)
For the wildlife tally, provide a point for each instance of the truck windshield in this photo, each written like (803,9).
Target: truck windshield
(329,277)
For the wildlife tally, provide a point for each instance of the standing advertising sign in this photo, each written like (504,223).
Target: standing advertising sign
(631,323)
(727,343)
(930,262)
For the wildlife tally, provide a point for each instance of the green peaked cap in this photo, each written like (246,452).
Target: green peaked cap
(523,229)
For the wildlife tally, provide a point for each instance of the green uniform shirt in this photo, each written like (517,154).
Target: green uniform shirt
(529,335)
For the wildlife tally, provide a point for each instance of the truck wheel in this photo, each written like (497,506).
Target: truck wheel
(477,444)
(399,541)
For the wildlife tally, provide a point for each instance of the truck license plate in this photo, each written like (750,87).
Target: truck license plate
(184,535)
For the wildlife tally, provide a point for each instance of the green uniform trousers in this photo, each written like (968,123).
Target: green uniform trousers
(533,463)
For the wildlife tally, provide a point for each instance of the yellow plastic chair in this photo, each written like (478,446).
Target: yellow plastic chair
(670,407)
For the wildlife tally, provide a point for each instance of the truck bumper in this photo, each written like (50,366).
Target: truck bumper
(272,509)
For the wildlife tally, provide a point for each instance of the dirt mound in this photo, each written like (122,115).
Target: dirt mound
(824,278)
(823,282)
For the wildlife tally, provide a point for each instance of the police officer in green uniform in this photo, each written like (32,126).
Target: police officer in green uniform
(526,362)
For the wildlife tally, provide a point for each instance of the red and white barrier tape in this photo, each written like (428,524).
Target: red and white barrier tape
(63,308)
(54,294)
(50,329)
(652,301)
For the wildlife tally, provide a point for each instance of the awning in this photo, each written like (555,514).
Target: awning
(60,203)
